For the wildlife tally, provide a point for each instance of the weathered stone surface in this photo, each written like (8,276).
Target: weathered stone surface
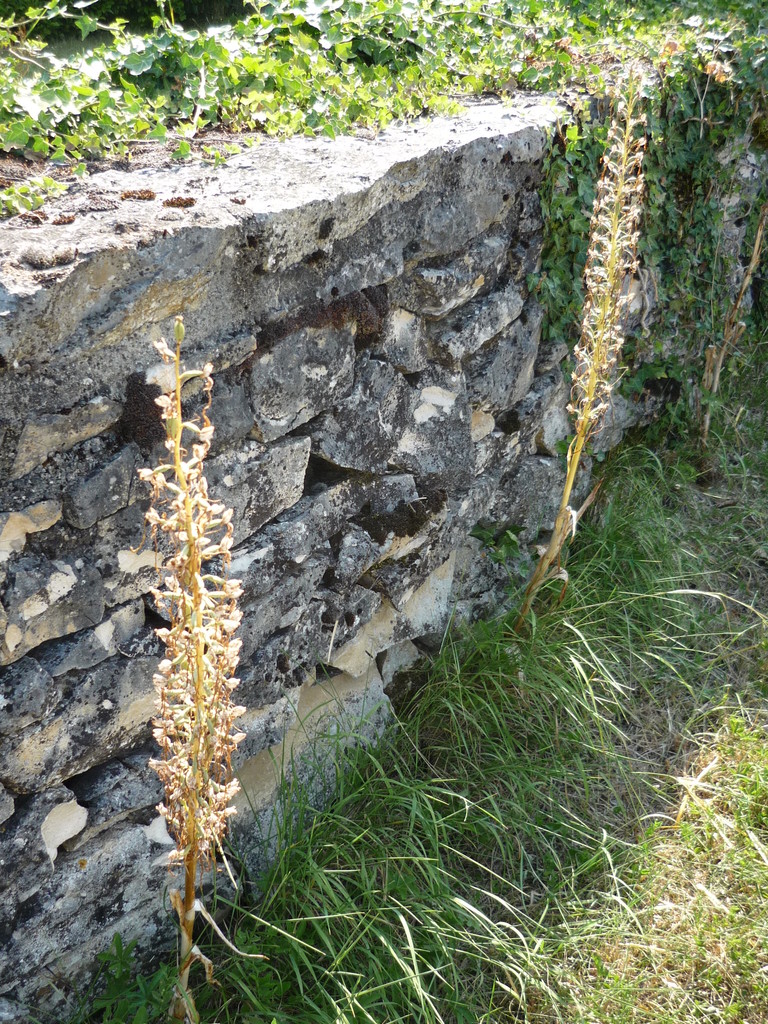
(230,413)
(342,709)
(258,482)
(82,887)
(25,856)
(530,496)
(123,789)
(478,322)
(436,444)
(104,492)
(543,413)
(43,600)
(303,374)
(285,603)
(91,646)
(88,718)
(364,430)
(500,373)
(426,611)
(318,215)
(25,695)
(434,291)
(403,341)
(7,804)
(15,526)
(125,556)
(47,434)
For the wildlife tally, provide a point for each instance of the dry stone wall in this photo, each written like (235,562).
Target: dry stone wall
(380,389)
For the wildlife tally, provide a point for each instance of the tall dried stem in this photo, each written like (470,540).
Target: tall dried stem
(611,260)
(195,724)
(733,328)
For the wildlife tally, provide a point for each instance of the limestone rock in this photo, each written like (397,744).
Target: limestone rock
(15,526)
(403,341)
(543,413)
(26,691)
(477,322)
(25,852)
(91,646)
(258,482)
(364,430)
(501,372)
(104,492)
(435,290)
(44,599)
(120,790)
(436,444)
(89,717)
(82,888)
(7,804)
(304,373)
(230,413)
(426,611)
(57,433)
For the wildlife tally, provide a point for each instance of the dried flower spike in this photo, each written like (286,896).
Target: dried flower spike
(611,260)
(195,723)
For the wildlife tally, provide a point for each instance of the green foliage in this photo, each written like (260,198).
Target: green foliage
(28,195)
(322,66)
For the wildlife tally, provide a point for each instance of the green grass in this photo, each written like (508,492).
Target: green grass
(570,825)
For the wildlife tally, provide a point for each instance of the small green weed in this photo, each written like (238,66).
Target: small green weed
(29,195)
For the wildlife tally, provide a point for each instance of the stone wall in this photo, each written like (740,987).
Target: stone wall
(380,389)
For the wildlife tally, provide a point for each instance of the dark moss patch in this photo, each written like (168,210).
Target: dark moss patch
(405,519)
(141,420)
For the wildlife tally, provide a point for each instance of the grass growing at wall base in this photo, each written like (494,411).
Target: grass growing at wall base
(566,827)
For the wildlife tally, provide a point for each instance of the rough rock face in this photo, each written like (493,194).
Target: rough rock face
(378,392)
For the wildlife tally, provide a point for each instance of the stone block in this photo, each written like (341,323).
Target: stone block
(476,323)
(45,599)
(89,717)
(285,603)
(364,430)
(303,374)
(125,556)
(330,712)
(27,693)
(403,341)
(230,413)
(395,661)
(55,432)
(104,492)
(15,526)
(542,414)
(427,611)
(66,898)
(500,374)
(91,646)
(259,483)
(436,444)
(29,848)
(120,790)
(529,496)
(436,288)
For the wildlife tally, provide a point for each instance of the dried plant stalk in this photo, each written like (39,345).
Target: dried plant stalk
(733,328)
(611,260)
(195,724)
